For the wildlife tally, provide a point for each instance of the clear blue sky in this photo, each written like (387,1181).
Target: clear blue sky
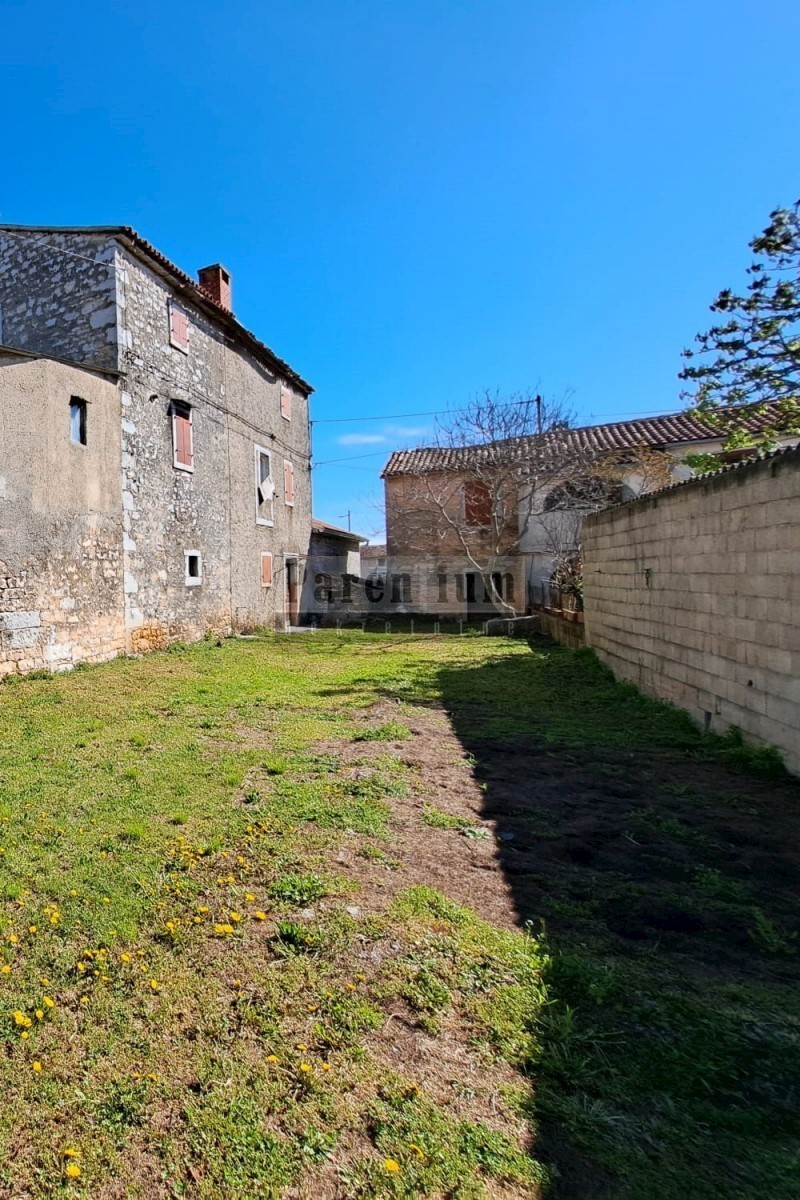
(420,199)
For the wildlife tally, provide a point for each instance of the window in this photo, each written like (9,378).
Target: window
(477,503)
(182,448)
(194,567)
(266,568)
(77,421)
(178,328)
(288,482)
(265,487)
(286,404)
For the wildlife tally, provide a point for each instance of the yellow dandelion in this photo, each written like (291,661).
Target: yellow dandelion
(235,916)
(24,1035)
(84,999)
(326,1066)
(39,1014)
(260,916)
(12,937)
(249,896)
(37,1066)
(44,982)
(6,969)
(124,958)
(203,908)
(306,1067)
(73,1171)
(351,987)
(48,1003)
(31,929)
(71,1152)
(391,1166)
(223,930)
(272,1058)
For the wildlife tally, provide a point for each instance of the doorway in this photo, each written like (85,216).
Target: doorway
(292,591)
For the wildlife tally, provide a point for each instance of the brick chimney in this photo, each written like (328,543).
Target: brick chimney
(217,282)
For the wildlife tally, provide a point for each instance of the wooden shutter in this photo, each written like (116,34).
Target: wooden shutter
(286,404)
(266,569)
(477,503)
(178,327)
(288,482)
(182,425)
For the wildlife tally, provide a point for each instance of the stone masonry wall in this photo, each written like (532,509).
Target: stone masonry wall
(235,406)
(60,519)
(694,595)
(58,295)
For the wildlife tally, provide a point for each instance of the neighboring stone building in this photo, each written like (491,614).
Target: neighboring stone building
(154,454)
(333,583)
(449,530)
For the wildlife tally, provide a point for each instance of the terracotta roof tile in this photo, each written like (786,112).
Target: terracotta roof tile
(656,432)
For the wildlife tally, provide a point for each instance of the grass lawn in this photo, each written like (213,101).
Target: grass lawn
(361,915)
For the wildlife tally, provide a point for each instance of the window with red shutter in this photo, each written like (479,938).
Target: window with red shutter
(178,328)
(477,503)
(286,404)
(266,568)
(288,482)
(182,448)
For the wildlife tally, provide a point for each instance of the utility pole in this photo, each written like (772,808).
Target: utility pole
(537,400)
(347,514)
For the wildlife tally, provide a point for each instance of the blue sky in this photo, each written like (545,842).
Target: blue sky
(421,200)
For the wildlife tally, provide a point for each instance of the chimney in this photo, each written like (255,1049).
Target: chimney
(217,282)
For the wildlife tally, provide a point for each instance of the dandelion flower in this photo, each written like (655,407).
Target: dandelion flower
(306,1067)
(326,1066)
(24,1035)
(39,1014)
(124,958)
(84,999)
(260,916)
(272,1058)
(37,1066)
(71,1152)
(31,929)
(73,1171)
(223,930)
(155,985)
(391,1166)
(48,1003)
(6,969)
(300,1046)
(235,916)
(249,896)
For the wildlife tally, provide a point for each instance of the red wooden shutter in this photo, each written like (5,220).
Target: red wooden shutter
(286,404)
(288,482)
(266,569)
(178,327)
(477,503)
(183,438)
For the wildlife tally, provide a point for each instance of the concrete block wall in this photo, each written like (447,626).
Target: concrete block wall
(693,594)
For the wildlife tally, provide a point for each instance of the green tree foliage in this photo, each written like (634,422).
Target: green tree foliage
(747,367)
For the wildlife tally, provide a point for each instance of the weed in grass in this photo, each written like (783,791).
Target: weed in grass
(768,937)
(390,731)
(441,820)
(298,890)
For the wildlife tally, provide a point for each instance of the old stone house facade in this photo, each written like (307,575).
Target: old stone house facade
(154,454)
(477,529)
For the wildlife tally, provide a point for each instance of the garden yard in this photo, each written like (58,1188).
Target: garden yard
(360,915)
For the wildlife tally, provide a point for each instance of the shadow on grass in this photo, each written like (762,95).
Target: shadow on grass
(661,866)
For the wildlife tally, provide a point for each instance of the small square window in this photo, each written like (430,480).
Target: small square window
(77,421)
(194,567)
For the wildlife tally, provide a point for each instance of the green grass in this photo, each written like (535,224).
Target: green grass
(166,823)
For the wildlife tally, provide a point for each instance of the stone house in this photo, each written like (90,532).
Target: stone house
(474,529)
(154,454)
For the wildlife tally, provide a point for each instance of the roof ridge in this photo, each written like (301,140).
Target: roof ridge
(145,248)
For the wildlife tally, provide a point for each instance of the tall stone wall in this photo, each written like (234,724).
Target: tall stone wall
(694,595)
(236,406)
(58,295)
(60,518)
